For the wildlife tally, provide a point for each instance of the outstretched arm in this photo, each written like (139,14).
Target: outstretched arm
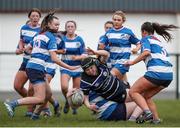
(20,48)
(98,52)
(92,107)
(141,57)
(135,50)
(103,53)
(60,63)
(79,57)
(61,51)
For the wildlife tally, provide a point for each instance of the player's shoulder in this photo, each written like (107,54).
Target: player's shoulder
(127,30)
(49,34)
(26,26)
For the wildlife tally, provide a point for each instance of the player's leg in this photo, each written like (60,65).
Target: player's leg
(152,106)
(136,93)
(64,87)
(76,84)
(135,113)
(38,98)
(52,100)
(19,82)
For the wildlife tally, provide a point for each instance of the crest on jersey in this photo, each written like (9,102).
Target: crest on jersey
(105,73)
(123,95)
(78,44)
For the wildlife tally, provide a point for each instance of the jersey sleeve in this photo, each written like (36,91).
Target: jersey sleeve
(103,42)
(133,39)
(104,39)
(82,47)
(85,87)
(20,32)
(31,43)
(145,45)
(52,46)
(61,45)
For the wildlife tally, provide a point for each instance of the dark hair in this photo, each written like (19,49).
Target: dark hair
(72,21)
(34,10)
(160,29)
(64,32)
(28,21)
(108,22)
(47,19)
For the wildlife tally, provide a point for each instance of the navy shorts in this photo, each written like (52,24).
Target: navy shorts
(120,97)
(23,66)
(119,113)
(35,76)
(121,93)
(164,83)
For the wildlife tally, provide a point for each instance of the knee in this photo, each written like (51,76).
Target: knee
(48,95)
(41,100)
(17,87)
(30,92)
(64,88)
(147,97)
(131,93)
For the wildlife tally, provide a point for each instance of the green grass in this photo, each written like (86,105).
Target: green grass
(169,111)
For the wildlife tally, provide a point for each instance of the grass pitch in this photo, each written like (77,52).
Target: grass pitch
(169,111)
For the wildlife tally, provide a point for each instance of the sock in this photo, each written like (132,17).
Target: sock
(147,111)
(132,118)
(35,116)
(14,103)
(55,103)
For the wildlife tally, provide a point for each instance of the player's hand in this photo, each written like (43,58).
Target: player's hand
(70,92)
(90,51)
(74,67)
(94,107)
(101,46)
(63,51)
(74,57)
(19,51)
(134,51)
(128,63)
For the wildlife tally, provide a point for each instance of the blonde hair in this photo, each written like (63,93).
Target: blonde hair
(120,13)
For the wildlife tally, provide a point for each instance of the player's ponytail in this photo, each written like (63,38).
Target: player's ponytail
(47,19)
(161,29)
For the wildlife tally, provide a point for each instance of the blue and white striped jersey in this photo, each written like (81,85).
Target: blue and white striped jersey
(105,107)
(50,65)
(105,84)
(119,41)
(27,34)
(106,43)
(157,64)
(74,46)
(42,44)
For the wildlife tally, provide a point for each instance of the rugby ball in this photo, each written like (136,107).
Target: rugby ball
(76,99)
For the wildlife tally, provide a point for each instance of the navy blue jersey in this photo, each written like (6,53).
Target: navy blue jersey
(105,85)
